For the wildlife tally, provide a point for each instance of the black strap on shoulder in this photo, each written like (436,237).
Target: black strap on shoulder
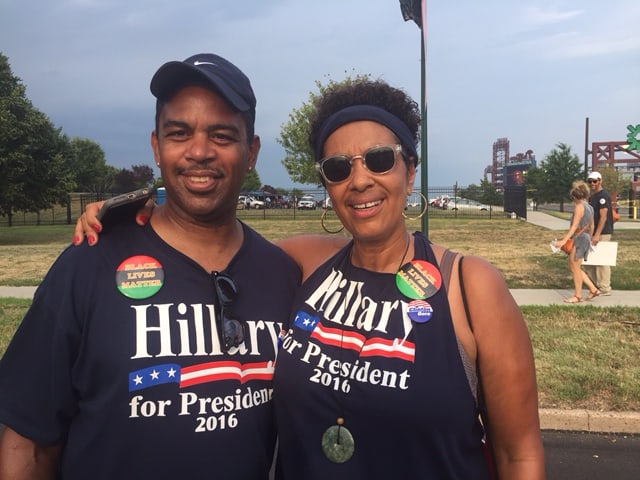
(446,265)
(481,403)
(470,368)
(463,294)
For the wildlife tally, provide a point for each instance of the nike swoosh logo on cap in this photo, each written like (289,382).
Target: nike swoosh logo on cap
(198,62)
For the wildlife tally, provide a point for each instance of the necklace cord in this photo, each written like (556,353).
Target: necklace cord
(404,255)
(406,249)
(334,447)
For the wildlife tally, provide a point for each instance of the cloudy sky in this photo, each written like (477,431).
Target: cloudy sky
(529,71)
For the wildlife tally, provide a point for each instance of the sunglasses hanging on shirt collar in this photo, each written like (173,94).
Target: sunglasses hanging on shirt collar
(231,331)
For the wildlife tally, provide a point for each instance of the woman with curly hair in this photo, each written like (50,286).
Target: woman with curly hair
(580,229)
(383,362)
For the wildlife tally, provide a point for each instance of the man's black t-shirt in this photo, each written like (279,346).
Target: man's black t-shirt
(119,359)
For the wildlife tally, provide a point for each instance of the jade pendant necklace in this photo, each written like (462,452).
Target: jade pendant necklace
(337,441)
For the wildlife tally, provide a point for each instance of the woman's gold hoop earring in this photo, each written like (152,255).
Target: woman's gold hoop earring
(323,218)
(424,209)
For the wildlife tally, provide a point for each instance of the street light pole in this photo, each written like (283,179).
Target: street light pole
(416,10)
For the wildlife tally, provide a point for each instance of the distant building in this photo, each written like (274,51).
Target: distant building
(506,170)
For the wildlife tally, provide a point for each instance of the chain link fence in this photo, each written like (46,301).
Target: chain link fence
(442,202)
(58,214)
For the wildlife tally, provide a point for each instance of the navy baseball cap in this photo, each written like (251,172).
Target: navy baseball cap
(221,74)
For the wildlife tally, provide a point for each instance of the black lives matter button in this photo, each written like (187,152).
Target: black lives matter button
(418,279)
(140,276)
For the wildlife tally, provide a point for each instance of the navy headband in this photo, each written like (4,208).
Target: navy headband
(366,112)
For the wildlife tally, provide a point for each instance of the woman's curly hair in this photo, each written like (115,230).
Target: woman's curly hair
(364,92)
(579,190)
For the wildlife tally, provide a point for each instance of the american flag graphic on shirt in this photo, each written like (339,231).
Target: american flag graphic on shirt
(200,373)
(368,347)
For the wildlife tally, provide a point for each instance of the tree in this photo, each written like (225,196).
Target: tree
(140,176)
(298,160)
(251,181)
(484,193)
(48,178)
(561,168)
(614,183)
(158,183)
(296,193)
(472,191)
(490,195)
(535,182)
(90,170)
(34,169)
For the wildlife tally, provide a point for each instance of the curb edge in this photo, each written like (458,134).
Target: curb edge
(589,421)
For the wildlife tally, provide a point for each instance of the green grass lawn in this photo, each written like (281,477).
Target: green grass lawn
(585,357)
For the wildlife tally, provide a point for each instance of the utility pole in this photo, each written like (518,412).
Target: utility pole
(416,10)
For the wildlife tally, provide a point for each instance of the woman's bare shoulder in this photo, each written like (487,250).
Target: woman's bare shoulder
(311,251)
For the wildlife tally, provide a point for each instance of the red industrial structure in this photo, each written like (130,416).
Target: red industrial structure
(618,155)
(507,170)
(608,154)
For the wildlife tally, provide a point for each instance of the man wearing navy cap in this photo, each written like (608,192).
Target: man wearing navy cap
(152,356)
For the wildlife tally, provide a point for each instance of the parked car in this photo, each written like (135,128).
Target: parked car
(307,202)
(249,202)
(440,202)
(457,203)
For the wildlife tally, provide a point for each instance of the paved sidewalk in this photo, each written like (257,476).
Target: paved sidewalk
(17,292)
(524,296)
(535,296)
(545,220)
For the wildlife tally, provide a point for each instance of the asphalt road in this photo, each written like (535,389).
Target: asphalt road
(591,456)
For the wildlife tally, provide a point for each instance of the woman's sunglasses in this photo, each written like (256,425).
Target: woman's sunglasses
(379,159)
(231,330)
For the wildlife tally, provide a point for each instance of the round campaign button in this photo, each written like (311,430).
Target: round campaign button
(418,279)
(140,276)
(419,311)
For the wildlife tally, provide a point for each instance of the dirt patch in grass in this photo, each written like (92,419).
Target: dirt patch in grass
(26,264)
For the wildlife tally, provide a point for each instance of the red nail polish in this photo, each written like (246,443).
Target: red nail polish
(142,219)
(91,239)
(76,239)
(96,227)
